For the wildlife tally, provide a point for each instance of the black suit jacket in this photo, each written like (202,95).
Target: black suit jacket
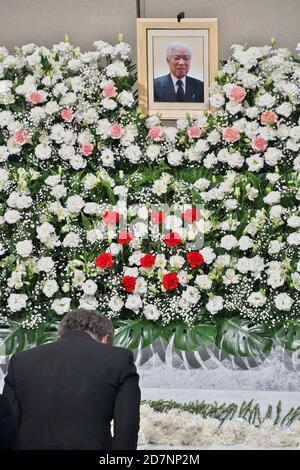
(164,90)
(8,426)
(66,393)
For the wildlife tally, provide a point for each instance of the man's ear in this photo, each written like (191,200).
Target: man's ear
(105,339)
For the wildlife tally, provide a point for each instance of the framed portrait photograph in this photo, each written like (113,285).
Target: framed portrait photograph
(177,62)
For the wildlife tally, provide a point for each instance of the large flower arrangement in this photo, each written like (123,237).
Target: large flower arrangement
(194,227)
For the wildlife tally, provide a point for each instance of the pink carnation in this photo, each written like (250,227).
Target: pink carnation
(115,131)
(268,118)
(194,132)
(35,97)
(86,149)
(259,144)
(155,134)
(109,91)
(231,134)
(67,115)
(236,93)
(20,137)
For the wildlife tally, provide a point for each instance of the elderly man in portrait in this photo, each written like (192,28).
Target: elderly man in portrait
(177,85)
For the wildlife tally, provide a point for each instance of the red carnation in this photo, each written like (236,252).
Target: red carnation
(172,239)
(157,218)
(129,283)
(104,261)
(195,258)
(170,281)
(147,261)
(111,217)
(190,215)
(124,238)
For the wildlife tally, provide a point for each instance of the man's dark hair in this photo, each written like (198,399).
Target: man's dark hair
(87,320)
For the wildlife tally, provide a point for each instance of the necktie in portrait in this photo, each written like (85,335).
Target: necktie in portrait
(180,91)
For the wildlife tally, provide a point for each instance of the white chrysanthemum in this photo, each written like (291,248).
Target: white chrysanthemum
(92,208)
(257,299)
(45,264)
(293,221)
(4,153)
(88,302)
(177,261)
(44,231)
(215,304)
(116,303)
(245,243)
(175,158)
(283,302)
(159,187)
(71,240)
(294,239)
(89,287)
(16,302)
(255,163)
(24,248)
(74,204)
(50,288)
(61,306)
(285,109)
(151,312)
(78,278)
(116,69)
(12,216)
(53,180)
(272,198)
(217,100)
(153,152)
(208,254)
(43,151)
(133,153)
(203,281)
(191,295)
(133,302)
(228,242)
(107,158)
(126,98)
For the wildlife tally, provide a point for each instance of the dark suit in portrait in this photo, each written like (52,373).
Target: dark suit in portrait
(164,90)
(8,426)
(65,395)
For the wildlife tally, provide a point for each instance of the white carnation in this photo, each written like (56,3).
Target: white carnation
(215,304)
(89,287)
(50,288)
(283,302)
(16,302)
(74,204)
(151,312)
(24,248)
(257,299)
(61,306)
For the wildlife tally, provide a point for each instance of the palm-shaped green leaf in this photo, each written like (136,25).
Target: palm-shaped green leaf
(135,334)
(288,336)
(16,339)
(191,338)
(240,337)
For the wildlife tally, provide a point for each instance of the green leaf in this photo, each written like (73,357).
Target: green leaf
(240,337)
(191,338)
(16,339)
(288,336)
(85,222)
(135,334)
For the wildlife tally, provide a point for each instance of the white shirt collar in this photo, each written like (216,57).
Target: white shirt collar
(175,79)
